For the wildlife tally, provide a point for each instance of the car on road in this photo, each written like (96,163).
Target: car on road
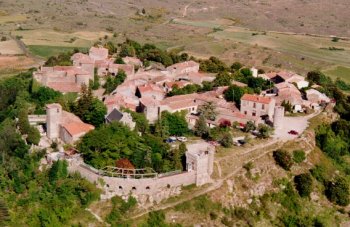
(293,132)
(182,139)
(171,140)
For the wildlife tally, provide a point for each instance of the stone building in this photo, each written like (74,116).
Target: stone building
(118,116)
(64,126)
(199,162)
(257,106)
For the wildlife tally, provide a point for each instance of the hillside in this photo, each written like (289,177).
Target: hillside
(314,16)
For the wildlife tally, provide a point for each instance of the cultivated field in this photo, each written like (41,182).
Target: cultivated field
(10,47)
(233,30)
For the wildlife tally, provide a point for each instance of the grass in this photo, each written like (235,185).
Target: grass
(12,18)
(305,46)
(339,72)
(47,51)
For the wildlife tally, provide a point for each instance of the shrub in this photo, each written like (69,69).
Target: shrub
(337,191)
(226,140)
(319,173)
(298,156)
(283,159)
(303,183)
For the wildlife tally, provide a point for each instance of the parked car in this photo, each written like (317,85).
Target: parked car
(182,139)
(171,140)
(242,142)
(293,132)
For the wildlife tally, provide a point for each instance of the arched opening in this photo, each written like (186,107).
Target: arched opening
(120,187)
(168,186)
(148,188)
(134,188)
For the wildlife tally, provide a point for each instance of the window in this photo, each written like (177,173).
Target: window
(134,188)
(245,113)
(120,187)
(263,106)
(148,188)
(254,114)
(254,105)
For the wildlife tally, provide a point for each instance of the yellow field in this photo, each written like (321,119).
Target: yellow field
(41,37)
(10,47)
(12,18)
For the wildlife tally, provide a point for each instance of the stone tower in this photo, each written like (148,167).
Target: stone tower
(53,119)
(278,116)
(200,158)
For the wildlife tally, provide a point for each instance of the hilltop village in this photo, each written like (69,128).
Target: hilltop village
(130,130)
(204,100)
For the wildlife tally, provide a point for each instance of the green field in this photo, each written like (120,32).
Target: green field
(339,72)
(47,51)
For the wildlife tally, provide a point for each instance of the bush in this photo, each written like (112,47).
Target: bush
(283,159)
(33,136)
(319,173)
(226,140)
(303,183)
(299,156)
(337,191)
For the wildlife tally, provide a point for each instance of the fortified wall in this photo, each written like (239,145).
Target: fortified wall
(150,187)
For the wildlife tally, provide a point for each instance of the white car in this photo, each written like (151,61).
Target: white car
(182,139)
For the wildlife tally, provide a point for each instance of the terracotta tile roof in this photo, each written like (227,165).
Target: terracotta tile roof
(64,87)
(180,84)
(239,84)
(53,106)
(183,65)
(149,102)
(149,88)
(256,98)
(77,128)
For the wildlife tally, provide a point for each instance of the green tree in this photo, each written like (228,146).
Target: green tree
(33,136)
(58,171)
(175,122)
(234,93)
(337,191)
(208,110)
(250,126)
(113,82)
(119,60)
(201,128)
(265,131)
(303,183)
(90,109)
(223,79)
(226,140)
(283,159)
(236,66)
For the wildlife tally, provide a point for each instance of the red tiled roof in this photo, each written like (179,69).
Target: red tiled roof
(256,98)
(77,128)
(64,87)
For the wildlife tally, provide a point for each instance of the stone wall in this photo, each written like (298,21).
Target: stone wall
(146,190)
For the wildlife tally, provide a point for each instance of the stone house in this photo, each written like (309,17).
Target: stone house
(257,106)
(65,126)
(63,78)
(122,117)
(316,98)
(183,68)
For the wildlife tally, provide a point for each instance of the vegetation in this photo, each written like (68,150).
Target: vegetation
(112,82)
(90,109)
(283,159)
(337,191)
(303,184)
(174,124)
(299,156)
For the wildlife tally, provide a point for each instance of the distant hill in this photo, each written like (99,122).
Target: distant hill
(311,16)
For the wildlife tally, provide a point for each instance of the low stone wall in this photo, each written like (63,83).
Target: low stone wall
(146,190)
